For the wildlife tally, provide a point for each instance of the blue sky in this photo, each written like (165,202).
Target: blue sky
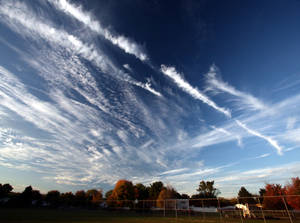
(177,91)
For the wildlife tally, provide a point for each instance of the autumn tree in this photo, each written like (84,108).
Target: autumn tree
(122,193)
(165,194)
(293,188)
(94,197)
(272,197)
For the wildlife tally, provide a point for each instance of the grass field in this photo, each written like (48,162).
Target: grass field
(92,216)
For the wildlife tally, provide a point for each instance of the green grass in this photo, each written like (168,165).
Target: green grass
(93,216)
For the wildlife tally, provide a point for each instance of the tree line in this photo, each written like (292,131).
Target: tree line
(125,193)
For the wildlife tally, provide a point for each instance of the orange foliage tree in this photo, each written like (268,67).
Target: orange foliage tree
(165,194)
(293,189)
(122,195)
(94,197)
(273,203)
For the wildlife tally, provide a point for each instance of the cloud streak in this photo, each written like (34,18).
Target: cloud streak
(194,92)
(271,141)
(84,123)
(18,14)
(124,43)
(216,84)
(74,130)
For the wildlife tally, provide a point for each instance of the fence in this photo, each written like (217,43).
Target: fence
(246,209)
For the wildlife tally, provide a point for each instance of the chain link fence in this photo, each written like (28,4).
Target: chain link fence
(245,209)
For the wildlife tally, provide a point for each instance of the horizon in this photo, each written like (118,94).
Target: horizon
(252,195)
(172,91)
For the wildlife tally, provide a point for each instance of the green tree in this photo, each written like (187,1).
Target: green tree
(68,198)
(155,189)
(108,193)
(5,189)
(26,196)
(262,192)
(53,198)
(142,192)
(80,198)
(245,196)
(207,189)
(185,196)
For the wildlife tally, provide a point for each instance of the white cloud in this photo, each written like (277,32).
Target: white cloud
(227,133)
(194,92)
(84,147)
(216,84)
(72,126)
(239,141)
(126,66)
(271,141)
(221,130)
(126,44)
(262,156)
(292,135)
(175,171)
(147,144)
(291,121)
(16,14)
(262,174)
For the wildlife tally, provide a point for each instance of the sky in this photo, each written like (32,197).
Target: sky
(174,91)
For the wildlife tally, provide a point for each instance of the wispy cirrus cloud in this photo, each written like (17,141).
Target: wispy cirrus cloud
(70,122)
(94,128)
(245,100)
(271,141)
(16,14)
(124,43)
(262,175)
(175,171)
(74,130)
(291,121)
(194,92)
(227,133)
(262,156)
(73,123)
(127,66)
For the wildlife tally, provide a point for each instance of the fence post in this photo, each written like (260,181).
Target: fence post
(175,207)
(262,211)
(189,209)
(143,211)
(203,213)
(164,208)
(287,209)
(219,206)
(240,210)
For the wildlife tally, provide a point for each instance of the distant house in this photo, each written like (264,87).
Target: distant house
(182,204)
